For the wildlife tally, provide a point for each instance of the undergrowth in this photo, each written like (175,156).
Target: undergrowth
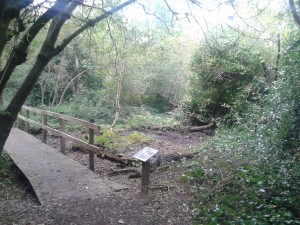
(5,170)
(238,186)
(249,173)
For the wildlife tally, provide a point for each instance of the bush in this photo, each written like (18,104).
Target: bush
(225,68)
(250,173)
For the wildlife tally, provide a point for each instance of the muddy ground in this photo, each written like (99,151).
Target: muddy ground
(170,205)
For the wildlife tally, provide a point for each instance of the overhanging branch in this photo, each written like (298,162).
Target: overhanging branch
(20,52)
(91,23)
(294,11)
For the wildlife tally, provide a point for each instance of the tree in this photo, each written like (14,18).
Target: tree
(294,11)
(22,20)
(15,15)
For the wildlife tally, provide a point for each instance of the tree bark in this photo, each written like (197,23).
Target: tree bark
(9,116)
(9,10)
(122,160)
(19,55)
(49,49)
(45,55)
(119,90)
(294,11)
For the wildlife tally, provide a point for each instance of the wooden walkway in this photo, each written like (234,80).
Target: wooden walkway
(52,175)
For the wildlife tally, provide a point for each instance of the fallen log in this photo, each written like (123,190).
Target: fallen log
(118,159)
(210,126)
(178,156)
(161,128)
(135,175)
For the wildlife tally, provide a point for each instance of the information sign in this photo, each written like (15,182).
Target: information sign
(145,154)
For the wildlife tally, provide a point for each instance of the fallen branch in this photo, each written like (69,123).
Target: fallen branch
(118,159)
(210,126)
(178,156)
(161,128)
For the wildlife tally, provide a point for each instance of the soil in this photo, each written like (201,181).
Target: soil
(172,204)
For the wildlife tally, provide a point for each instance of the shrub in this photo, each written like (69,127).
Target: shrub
(250,173)
(225,68)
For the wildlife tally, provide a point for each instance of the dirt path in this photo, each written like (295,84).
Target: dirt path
(171,205)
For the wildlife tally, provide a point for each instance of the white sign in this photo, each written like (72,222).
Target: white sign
(145,154)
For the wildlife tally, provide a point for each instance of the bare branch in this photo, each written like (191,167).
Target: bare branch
(91,23)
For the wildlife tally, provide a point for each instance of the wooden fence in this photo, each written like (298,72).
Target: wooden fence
(61,132)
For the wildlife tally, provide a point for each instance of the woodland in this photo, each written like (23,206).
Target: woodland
(229,69)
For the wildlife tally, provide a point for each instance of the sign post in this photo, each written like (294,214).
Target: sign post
(144,155)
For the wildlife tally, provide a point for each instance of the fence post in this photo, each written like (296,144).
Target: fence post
(27,123)
(44,122)
(91,141)
(62,139)
(145,176)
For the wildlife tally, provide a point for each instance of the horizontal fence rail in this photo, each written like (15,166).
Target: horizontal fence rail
(61,132)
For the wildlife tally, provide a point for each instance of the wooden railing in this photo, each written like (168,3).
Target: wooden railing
(61,132)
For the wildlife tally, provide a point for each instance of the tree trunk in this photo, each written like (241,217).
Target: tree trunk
(119,90)
(294,11)
(57,83)
(47,52)
(19,55)
(68,85)
(43,85)
(9,116)
(6,123)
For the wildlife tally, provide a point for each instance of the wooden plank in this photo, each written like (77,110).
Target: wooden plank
(27,127)
(145,176)
(54,176)
(67,136)
(37,111)
(64,117)
(44,122)
(84,123)
(62,139)
(91,153)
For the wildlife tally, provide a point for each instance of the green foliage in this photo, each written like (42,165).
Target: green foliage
(225,66)
(87,105)
(112,140)
(250,173)
(146,118)
(137,138)
(5,169)
(158,102)
(239,183)
(109,139)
